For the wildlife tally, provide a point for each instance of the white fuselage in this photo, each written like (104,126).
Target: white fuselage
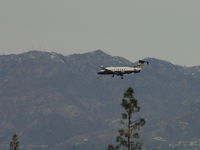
(123,69)
(120,70)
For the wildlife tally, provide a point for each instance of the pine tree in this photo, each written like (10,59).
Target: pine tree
(131,128)
(14,144)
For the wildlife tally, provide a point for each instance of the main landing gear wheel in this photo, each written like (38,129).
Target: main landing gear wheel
(113,75)
(122,77)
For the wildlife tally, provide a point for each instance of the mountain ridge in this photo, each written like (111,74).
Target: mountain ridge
(49,98)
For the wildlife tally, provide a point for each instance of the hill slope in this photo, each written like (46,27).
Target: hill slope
(48,98)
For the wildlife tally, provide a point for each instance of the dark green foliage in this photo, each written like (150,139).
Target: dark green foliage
(111,147)
(14,144)
(130,128)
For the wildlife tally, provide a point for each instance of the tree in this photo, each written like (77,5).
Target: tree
(130,128)
(14,144)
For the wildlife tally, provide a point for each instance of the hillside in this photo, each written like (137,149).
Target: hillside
(57,100)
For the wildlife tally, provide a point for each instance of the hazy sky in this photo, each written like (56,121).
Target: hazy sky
(165,29)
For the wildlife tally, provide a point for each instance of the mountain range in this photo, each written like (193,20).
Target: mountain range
(57,102)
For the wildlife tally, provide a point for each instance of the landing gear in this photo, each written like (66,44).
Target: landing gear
(122,77)
(113,75)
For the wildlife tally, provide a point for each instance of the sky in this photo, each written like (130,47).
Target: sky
(134,29)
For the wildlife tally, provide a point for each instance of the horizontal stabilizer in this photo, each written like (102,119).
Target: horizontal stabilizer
(143,61)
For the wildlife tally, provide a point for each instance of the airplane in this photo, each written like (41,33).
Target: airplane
(121,71)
